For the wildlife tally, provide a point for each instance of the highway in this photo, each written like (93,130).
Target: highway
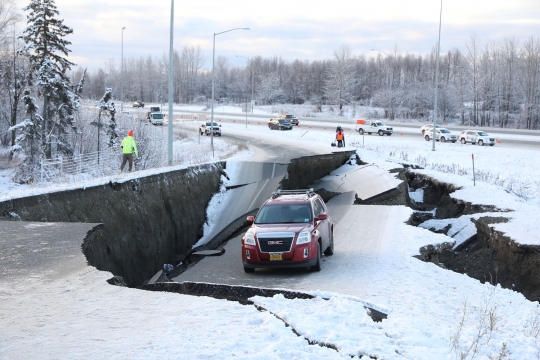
(516,138)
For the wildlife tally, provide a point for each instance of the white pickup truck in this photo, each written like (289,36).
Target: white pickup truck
(373,127)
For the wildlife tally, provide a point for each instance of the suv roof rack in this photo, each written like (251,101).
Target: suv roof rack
(308,192)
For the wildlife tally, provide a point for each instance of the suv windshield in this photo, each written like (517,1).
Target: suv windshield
(282,121)
(445,131)
(157,116)
(481,133)
(280,214)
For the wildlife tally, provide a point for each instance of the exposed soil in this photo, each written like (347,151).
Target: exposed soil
(489,255)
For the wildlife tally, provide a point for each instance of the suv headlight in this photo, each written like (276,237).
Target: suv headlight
(303,238)
(249,239)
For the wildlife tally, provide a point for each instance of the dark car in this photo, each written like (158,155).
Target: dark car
(292,119)
(291,229)
(138,104)
(279,124)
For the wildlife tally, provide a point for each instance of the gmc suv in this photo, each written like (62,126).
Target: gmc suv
(292,229)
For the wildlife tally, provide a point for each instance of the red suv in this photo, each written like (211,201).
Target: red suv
(292,229)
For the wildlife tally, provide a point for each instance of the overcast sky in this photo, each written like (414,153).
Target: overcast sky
(292,29)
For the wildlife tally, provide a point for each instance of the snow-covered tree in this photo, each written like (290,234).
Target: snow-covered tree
(29,138)
(107,107)
(47,51)
(340,78)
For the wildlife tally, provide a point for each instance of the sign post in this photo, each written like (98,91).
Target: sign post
(473,173)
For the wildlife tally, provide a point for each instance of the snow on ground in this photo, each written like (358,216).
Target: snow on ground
(433,313)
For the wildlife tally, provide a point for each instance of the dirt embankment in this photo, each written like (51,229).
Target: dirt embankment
(489,255)
(147,221)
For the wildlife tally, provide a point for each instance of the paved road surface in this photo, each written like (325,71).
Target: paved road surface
(44,251)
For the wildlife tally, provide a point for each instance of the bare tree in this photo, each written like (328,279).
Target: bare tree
(340,79)
(530,76)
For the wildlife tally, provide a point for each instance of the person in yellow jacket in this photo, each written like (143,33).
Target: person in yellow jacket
(128,148)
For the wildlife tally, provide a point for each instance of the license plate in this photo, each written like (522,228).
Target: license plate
(276,257)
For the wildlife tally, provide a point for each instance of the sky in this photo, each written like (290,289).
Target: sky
(306,30)
(424,302)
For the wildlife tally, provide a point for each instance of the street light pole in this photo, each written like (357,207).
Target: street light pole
(251,71)
(122,76)
(437,83)
(391,84)
(213,76)
(171,91)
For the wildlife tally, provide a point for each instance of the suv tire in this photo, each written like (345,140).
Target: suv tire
(381,133)
(361,131)
(426,137)
(330,249)
(481,142)
(317,266)
(248,269)
(463,141)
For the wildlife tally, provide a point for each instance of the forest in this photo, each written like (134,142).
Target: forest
(483,83)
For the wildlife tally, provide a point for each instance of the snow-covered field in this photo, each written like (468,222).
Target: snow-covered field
(432,313)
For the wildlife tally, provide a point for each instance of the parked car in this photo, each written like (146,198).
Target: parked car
(279,124)
(292,229)
(428,127)
(155,109)
(138,104)
(292,119)
(441,135)
(208,128)
(476,136)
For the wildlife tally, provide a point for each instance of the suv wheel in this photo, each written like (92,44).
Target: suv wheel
(330,249)
(442,139)
(426,137)
(361,131)
(480,142)
(463,141)
(381,133)
(317,266)
(248,269)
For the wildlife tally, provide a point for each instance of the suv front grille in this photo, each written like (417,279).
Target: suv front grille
(275,244)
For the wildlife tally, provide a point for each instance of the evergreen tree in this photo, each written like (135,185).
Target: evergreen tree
(47,51)
(29,139)
(105,106)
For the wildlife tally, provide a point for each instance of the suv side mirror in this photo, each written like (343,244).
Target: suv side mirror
(322,217)
(250,218)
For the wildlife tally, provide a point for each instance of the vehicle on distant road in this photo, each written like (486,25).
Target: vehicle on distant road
(373,127)
(156,118)
(155,109)
(292,229)
(476,136)
(292,119)
(208,128)
(428,127)
(279,124)
(441,135)
(138,104)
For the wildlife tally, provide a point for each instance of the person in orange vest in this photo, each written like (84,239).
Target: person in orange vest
(340,137)
(128,147)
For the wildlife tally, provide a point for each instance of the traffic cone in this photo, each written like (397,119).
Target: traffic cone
(401,133)
(258,123)
(325,128)
(499,140)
